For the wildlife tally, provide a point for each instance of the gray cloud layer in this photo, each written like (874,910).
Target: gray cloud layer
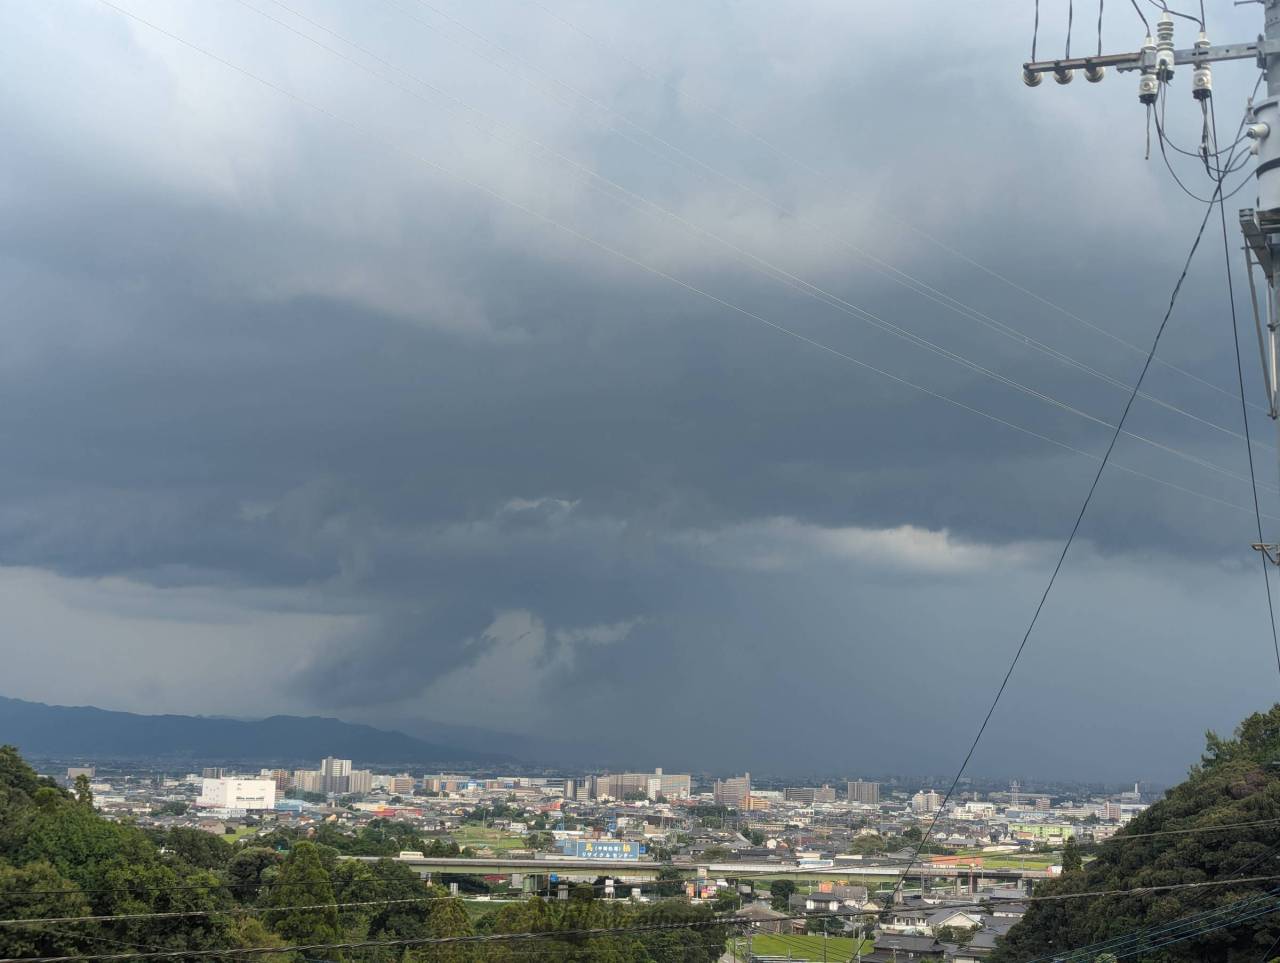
(277,388)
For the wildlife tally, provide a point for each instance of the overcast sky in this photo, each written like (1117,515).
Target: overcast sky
(556,367)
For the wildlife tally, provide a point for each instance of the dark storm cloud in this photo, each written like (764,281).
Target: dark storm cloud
(248,351)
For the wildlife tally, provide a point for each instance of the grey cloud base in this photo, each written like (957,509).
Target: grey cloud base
(457,467)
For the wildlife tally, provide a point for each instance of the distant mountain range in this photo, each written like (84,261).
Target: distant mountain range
(86,732)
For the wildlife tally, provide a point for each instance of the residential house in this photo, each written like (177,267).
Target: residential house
(897,948)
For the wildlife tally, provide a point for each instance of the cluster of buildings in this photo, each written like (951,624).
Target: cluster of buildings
(723,834)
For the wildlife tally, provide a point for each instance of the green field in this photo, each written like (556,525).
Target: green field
(240,833)
(837,948)
(478,837)
(1020,862)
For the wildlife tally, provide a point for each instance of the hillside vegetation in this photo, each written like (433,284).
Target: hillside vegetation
(1237,781)
(59,858)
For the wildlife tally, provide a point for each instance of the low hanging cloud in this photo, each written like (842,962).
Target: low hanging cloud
(778,544)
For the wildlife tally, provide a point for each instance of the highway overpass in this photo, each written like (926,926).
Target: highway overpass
(572,868)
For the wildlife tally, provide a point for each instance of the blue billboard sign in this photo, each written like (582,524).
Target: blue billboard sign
(602,849)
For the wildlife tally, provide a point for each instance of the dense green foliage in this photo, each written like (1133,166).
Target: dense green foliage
(1237,781)
(59,858)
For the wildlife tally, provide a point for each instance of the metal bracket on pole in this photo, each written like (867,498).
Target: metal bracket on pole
(1139,59)
(1260,224)
(1270,550)
(1258,250)
(1257,242)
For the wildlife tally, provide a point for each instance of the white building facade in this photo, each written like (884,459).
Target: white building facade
(237,795)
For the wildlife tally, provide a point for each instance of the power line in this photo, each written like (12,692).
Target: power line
(1244,412)
(615,52)
(716,921)
(693,162)
(1142,16)
(1185,928)
(709,923)
(226,911)
(795,282)
(636,262)
(1165,8)
(254,910)
(1173,300)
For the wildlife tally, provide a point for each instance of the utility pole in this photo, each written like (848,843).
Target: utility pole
(1260,224)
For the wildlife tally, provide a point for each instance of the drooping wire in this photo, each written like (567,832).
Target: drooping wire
(1162,5)
(1100,4)
(1235,336)
(1066,548)
(1141,16)
(799,283)
(1035,31)
(1071,16)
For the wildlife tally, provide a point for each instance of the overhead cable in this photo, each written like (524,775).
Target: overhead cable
(790,279)
(1075,528)
(693,162)
(1244,412)
(368,134)
(615,53)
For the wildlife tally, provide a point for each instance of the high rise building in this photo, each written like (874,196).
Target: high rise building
(360,781)
(867,793)
(670,785)
(402,785)
(213,772)
(926,801)
(1042,804)
(308,780)
(808,795)
(651,785)
(734,793)
(335,775)
(280,777)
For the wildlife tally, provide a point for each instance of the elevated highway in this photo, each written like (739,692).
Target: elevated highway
(571,868)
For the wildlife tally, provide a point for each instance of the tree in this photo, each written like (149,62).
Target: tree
(780,893)
(199,848)
(954,934)
(448,918)
(34,891)
(670,881)
(867,845)
(1072,861)
(1234,783)
(247,871)
(303,881)
(727,901)
(84,794)
(825,923)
